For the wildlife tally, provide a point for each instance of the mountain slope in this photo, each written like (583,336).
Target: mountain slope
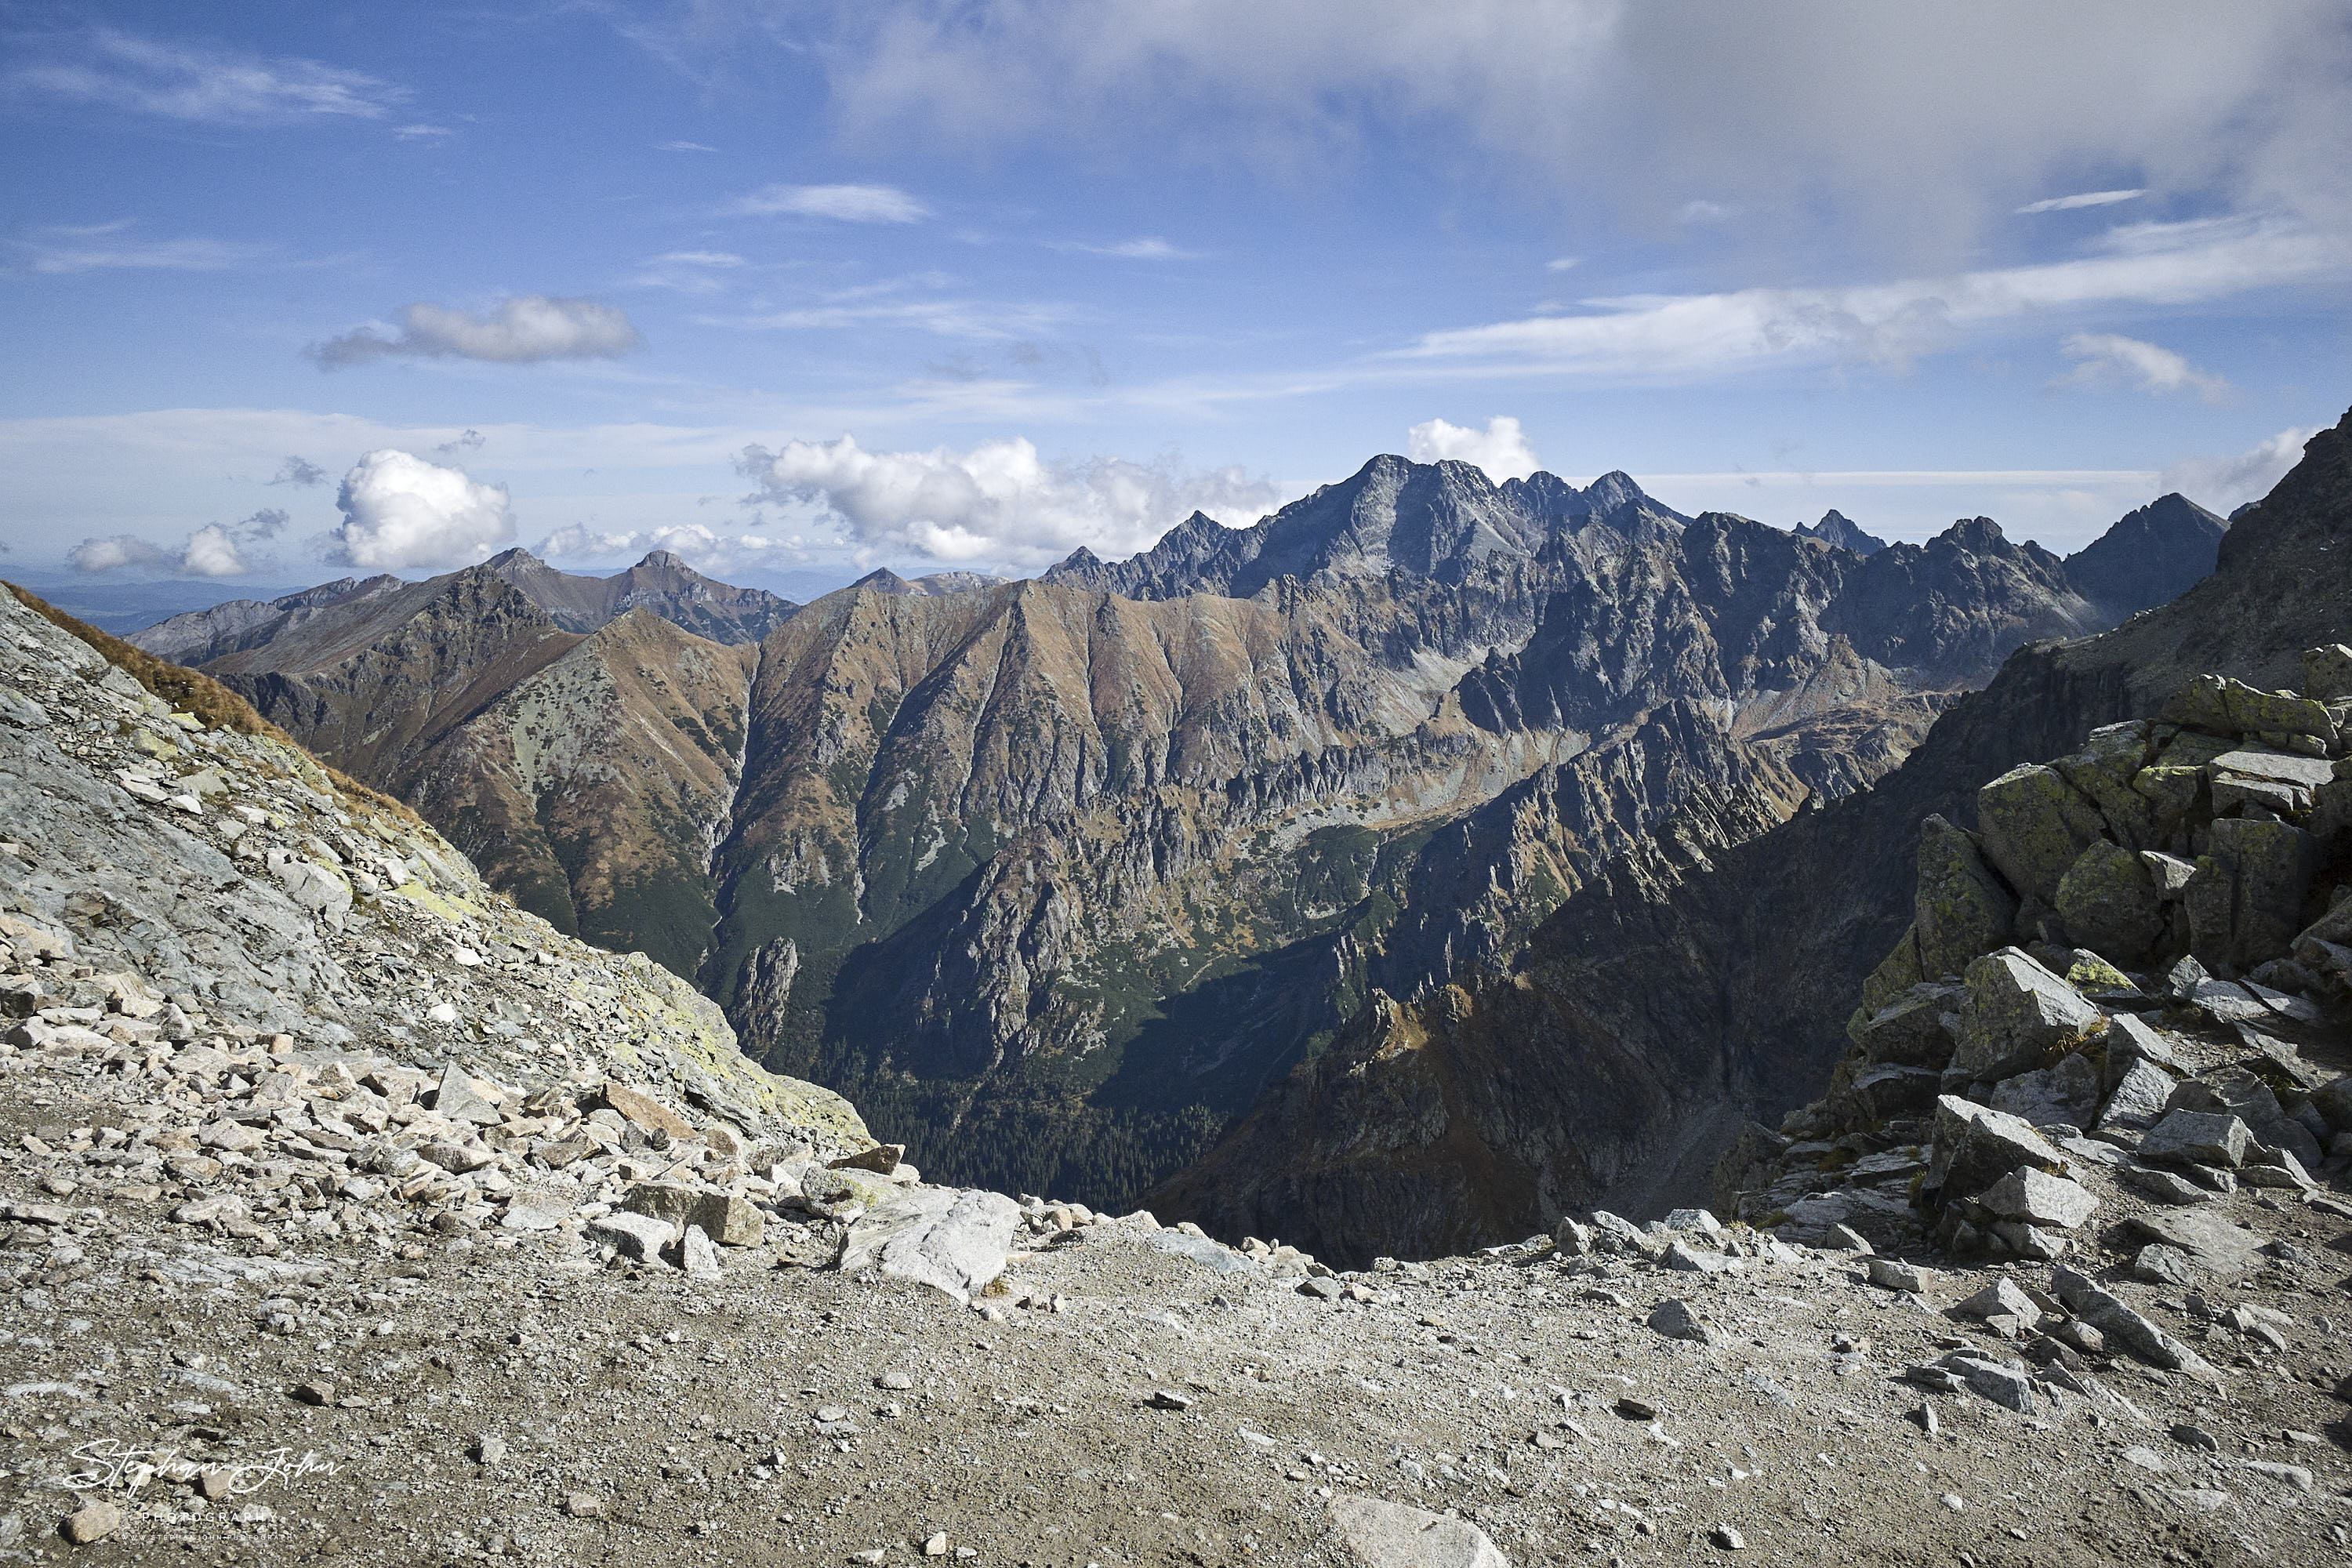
(1646,1022)
(2150,557)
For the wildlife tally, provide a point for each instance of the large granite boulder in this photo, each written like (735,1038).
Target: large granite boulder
(1962,908)
(2036,825)
(2245,900)
(2219,705)
(1976,1146)
(2103,772)
(1913,1030)
(2016,1015)
(2110,902)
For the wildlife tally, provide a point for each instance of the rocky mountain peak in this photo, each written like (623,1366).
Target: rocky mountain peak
(1837,528)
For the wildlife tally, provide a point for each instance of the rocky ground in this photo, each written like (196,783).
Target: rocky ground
(351,1214)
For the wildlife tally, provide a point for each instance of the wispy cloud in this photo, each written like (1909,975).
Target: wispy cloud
(877,305)
(682,147)
(422,132)
(98,247)
(1150,247)
(524,330)
(1673,337)
(2227,483)
(1561,263)
(2084,199)
(845,204)
(181,81)
(2106,359)
(689,271)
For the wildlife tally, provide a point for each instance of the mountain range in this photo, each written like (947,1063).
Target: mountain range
(1059,879)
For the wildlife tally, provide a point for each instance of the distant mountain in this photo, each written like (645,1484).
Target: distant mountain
(1837,528)
(1055,876)
(2150,557)
(196,635)
(885,580)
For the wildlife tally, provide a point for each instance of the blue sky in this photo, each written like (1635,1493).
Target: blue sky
(798,289)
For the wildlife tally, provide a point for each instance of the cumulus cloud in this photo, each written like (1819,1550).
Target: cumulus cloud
(2081,199)
(2225,484)
(704,549)
(1000,501)
(523,329)
(211,550)
(179,81)
(401,510)
(847,204)
(1501,448)
(300,471)
(2106,359)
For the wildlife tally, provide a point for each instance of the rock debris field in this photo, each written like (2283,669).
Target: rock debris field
(350,1214)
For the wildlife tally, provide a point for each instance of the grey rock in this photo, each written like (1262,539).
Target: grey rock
(2035,825)
(2039,1198)
(2131,1038)
(2164,1186)
(1895,1275)
(1910,1031)
(1678,1320)
(2016,1013)
(2160,1265)
(2209,1138)
(2169,873)
(2110,903)
(2002,1297)
(1694,1260)
(1961,909)
(2006,1385)
(1213,1256)
(1379,1534)
(2066,1094)
(2031,1241)
(1976,1146)
(2228,1003)
(2138,1100)
(2112,1317)
(2208,1240)
(700,1258)
(457,1100)
(954,1242)
(640,1237)
(2222,706)
(2245,900)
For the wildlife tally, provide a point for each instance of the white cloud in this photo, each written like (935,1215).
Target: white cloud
(1706,212)
(1561,263)
(422,132)
(1681,337)
(2106,359)
(848,204)
(212,86)
(2225,484)
(523,329)
(1150,247)
(1501,448)
(682,147)
(400,511)
(1000,502)
(704,549)
(689,271)
(210,552)
(975,320)
(2084,199)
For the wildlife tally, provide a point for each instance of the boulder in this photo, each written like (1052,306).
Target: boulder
(1961,909)
(2066,1094)
(644,1110)
(2108,1314)
(2170,873)
(1394,1535)
(2001,1298)
(2036,1198)
(2328,672)
(1976,1146)
(2015,1014)
(728,1220)
(2204,1237)
(2245,900)
(1678,1320)
(457,1100)
(954,1242)
(2102,773)
(2034,826)
(1913,1030)
(2221,705)
(2199,1137)
(2110,903)
(637,1236)
(2131,1039)
(2137,1103)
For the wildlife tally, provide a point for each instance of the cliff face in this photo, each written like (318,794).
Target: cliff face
(1649,1017)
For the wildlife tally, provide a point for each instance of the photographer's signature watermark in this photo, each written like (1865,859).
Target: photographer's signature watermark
(111,1464)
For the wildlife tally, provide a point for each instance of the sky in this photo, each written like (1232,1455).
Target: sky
(800,290)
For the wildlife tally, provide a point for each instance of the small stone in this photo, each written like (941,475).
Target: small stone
(1633,1409)
(214,1484)
(490,1448)
(2295,1476)
(1895,1276)
(1164,1399)
(1725,1537)
(2146,1459)
(1397,1536)
(701,1255)
(894,1380)
(1322,1290)
(937,1546)
(584,1505)
(457,1100)
(315,1393)
(2002,1297)
(2195,1438)
(882,1158)
(1926,1418)
(93,1522)
(1678,1320)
